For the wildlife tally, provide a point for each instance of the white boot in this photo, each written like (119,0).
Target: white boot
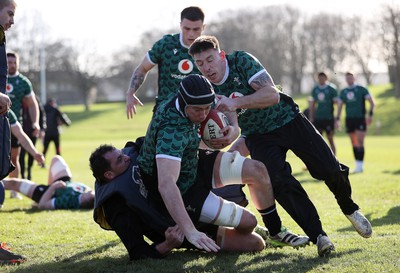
(359,166)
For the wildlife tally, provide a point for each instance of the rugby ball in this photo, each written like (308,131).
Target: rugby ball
(210,128)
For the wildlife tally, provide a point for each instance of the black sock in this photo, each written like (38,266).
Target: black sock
(271,220)
(361,153)
(355,152)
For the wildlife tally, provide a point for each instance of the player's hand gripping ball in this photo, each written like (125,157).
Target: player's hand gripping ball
(211,127)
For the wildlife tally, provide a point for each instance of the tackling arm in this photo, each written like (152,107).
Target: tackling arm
(266,95)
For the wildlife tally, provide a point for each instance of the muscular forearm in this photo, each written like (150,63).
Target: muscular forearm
(137,79)
(265,97)
(175,206)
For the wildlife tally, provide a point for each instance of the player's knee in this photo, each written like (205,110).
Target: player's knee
(248,221)
(257,242)
(257,172)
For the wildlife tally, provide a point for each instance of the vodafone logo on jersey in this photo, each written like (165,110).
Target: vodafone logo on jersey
(185,66)
(9,88)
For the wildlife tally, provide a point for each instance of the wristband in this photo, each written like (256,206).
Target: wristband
(371,113)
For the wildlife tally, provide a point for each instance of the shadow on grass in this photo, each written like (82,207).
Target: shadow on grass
(35,209)
(187,261)
(397,172)
(391,218)
(75,263)
(304,177)
(388,93)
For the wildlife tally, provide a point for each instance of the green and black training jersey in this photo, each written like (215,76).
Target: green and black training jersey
(354,98)
(174,64)
(242,69)
(324,96)
(18,87)
(172,136)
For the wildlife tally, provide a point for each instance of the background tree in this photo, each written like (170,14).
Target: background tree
(290,44)
(390,33)
(324,34)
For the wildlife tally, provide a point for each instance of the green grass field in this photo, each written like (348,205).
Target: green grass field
(70,241)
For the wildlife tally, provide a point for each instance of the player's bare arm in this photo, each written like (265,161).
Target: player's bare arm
(45,201)
(267,94)
(26,142)
(33,108)
(371,109)
(311,107)
(137,79)
(168,173)
(173,239)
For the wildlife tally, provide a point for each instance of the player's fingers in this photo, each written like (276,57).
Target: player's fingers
(128,113)
(209,246)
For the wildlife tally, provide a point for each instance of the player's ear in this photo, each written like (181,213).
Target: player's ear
(222,54)
(109,175)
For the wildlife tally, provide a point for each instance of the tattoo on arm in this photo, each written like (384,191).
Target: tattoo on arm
(262,80)
(136,81)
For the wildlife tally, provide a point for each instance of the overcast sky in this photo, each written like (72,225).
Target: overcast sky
(117,23)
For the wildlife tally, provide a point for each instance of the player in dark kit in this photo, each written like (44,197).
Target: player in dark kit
(272,124)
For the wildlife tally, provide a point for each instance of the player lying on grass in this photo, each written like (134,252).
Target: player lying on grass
(124,205)
(60,193)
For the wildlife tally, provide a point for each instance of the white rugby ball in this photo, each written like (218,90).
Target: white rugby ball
(210,128)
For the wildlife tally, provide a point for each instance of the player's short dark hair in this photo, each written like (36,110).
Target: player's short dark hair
(4,3)
(192,14)
(349,73)
(203,43)
(98,164)
(322,74)
(13,54)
